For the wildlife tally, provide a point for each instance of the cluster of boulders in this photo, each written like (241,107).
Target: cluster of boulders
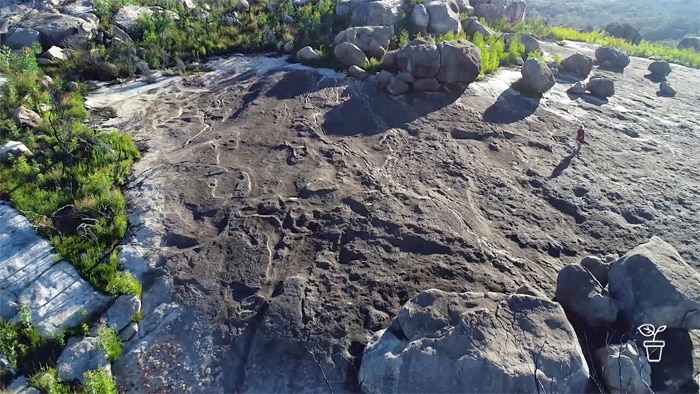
(372,25)
(581,66)
(438,16)
(539,77)
(650,285)
(48,25)
(492,342)
(424,66)
(493,10)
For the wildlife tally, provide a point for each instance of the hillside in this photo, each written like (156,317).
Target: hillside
(656,20)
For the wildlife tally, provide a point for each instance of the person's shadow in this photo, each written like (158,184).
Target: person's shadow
(564,163)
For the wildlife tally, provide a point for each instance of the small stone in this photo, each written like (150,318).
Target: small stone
(426,84)
(530,290)
(242,6)
(582,295)
(396,86)
(81,356)
(666,90)
(383,78)
(122,312)
(308,53)
(54,54)
(358,72)
(376,320)
(21,386)
(14,149)
(129,331)
(405,77)
(660,68)
(45,82)
(577,88)
(26,118)
(597,268)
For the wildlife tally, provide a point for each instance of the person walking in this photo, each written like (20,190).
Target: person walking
(581,136)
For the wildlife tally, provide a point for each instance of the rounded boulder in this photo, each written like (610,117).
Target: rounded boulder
(537,76)
(460,62)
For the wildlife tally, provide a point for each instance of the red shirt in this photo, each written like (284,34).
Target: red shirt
(581,137)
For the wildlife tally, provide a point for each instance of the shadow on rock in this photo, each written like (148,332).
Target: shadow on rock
(593,99)
(656,78)
(563,165)
(617,70)
(569,78)
(677,367)
(370,110)
(298,82)
(511,107)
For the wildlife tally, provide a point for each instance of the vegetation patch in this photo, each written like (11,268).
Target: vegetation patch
(539,29)
(70,187)
(99,382)
(48,382)
(110,342)
(25,348)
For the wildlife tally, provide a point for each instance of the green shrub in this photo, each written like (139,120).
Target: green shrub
(47,381)
(25,348)
(99,382)
(110,342)
(138,317)
(124,283)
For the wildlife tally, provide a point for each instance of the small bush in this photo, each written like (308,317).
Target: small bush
(124,283)
(138,317)
(47,381)
(110,342)
(24,346)
(99,382)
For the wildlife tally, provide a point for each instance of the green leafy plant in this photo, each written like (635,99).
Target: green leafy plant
(47,381)
(109,342)
(124,283)
(99,381)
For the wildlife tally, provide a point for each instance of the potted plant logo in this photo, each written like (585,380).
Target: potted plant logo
(653,347)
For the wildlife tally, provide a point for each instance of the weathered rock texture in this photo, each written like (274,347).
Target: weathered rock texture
(54,292)
(477,343)
(298,209)
(652,284)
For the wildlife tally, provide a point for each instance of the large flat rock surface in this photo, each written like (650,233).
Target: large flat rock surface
(297,212)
